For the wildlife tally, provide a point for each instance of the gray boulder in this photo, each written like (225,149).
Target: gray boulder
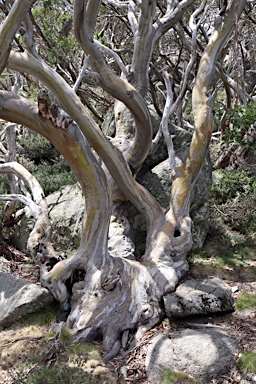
(203,354)
(66,208)
(199,297)
(18,297)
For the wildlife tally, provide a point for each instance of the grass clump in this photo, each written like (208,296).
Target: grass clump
(66,335)
(247,362)
(228,185)
(233,200)
(218,257)
(41,317)
(60,374)
(84,349)
(246,301)
(176,377)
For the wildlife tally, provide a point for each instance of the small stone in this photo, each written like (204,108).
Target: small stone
(235,289)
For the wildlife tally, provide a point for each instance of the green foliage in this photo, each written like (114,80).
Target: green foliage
(229,184)
(84,349)
(41,317)
(247,362)
(37,148)
(51,361)
(46,164)
(55,22)
(246,301)
(4,185)
(233,194)
(218,257)
(53,176)
(66,335)
(242,124)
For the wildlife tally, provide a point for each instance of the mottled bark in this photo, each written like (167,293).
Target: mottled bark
(10,156)
(203,112)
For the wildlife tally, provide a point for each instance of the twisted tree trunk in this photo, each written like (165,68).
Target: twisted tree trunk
(117,297)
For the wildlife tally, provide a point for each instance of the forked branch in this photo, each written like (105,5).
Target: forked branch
(186,175)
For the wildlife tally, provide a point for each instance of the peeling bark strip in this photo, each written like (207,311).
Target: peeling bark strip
(51,111)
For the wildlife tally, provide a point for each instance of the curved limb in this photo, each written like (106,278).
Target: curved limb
(143,46)
(71,143)
(39,241)
(186,175)
(85,13)
(112,158)
(10,27)
(167,252)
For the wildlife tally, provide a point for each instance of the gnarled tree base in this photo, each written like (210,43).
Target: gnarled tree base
(115,303)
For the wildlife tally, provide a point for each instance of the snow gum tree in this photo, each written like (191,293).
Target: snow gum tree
(123,47)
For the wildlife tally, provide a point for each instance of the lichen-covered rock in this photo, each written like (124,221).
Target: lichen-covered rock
(66,208)
(199,297)
(203,354)
(18,297)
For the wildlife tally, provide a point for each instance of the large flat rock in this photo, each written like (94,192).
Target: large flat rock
(18,297)
(203,354)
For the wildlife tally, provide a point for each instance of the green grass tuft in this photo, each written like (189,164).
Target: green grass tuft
(44,316)
(246,301)
(66,335)
(60,374)
(86,350)
(247,362)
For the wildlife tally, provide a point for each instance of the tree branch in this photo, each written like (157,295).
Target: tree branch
(164,121)
(131,17)
(186,175)
(114,85)
(40,236)
(10,27)
(172,16)
(143,46)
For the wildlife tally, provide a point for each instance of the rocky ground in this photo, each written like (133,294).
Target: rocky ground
(33,345)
